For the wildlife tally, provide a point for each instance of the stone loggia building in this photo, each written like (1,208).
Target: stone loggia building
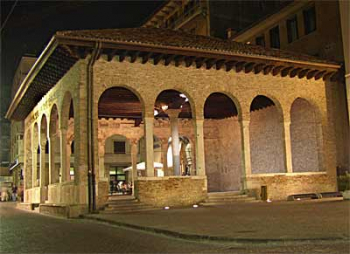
(218,115)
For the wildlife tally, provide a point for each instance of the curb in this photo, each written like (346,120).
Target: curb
(196,237)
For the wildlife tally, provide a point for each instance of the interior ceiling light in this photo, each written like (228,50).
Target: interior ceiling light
(183,96)
(156,112)
(164,107)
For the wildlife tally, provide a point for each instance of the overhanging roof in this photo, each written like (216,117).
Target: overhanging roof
(67,47)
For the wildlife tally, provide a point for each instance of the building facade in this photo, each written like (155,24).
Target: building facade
(17,127)
(210,18)
(216,115)
(313,28)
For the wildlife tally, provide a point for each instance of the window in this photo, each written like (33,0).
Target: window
(292,29)
(275,37)
(260,40)
(309,20)
(119,147)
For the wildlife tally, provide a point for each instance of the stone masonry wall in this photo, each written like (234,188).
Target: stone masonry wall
(304,137)
(223,162)
(266,141)
(171,191)
(279,187)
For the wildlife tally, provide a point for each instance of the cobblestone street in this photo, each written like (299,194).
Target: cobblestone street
(28,232)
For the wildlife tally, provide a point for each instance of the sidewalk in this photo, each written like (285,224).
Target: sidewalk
(245,222)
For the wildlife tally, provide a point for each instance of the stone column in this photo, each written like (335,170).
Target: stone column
(51,158)
(63,147)
(133,172)
(288,147)
(149,146)
(247,166)
(34,160)
(42,163)
(200,161)
(320,152)
(175,144)
(165,157)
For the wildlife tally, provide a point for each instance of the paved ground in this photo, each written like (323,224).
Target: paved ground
(29,232)
(301,220)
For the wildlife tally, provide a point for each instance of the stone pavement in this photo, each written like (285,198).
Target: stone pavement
(276,222)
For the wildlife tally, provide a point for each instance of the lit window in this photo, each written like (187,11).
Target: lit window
(292,29)
(309,20)
(275,37)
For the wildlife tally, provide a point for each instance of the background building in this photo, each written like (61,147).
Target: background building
(211,18)
(314,28)
(17,127)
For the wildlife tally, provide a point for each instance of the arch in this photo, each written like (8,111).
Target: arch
(304,136)
(54,120)
(116,102)
(54,151)
(266,131)
(67,110)
(174,99)
(229,103)
(222,143)
(43,129)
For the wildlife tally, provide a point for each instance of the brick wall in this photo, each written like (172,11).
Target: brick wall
(304,137)
(266,141)
(223,156)
(171,191)
(280,186)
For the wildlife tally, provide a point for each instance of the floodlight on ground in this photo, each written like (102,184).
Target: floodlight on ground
(268,200)
(166,208)
(195,206)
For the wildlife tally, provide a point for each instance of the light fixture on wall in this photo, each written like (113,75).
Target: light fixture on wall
(155,112)
(164,107)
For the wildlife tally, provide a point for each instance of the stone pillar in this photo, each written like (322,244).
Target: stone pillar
(149,146)
(175,144)
(288,147)
(164,157)
(34,160)
(133,172)
(63,147)
(51,158)
(200,161)
(42,163)
(320,152)
(247,165)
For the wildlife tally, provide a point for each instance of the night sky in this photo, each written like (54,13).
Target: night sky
(31,24)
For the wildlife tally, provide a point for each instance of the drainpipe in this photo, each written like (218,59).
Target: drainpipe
(90,128)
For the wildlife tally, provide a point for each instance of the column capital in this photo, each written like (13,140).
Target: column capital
(173,113)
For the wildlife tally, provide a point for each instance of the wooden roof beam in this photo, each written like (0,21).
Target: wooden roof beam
(267,69)
(276,70)
(258,68)
(145,57)
(133,56)
(286,71)
(122,55)
(311,74)
(320,74)
(248,67)
(210,63)
(239,66)
(294,72)
(199,62)
(157,58)
(168,59)
(229,65)
(189,60)
(219,64)
(303,73)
